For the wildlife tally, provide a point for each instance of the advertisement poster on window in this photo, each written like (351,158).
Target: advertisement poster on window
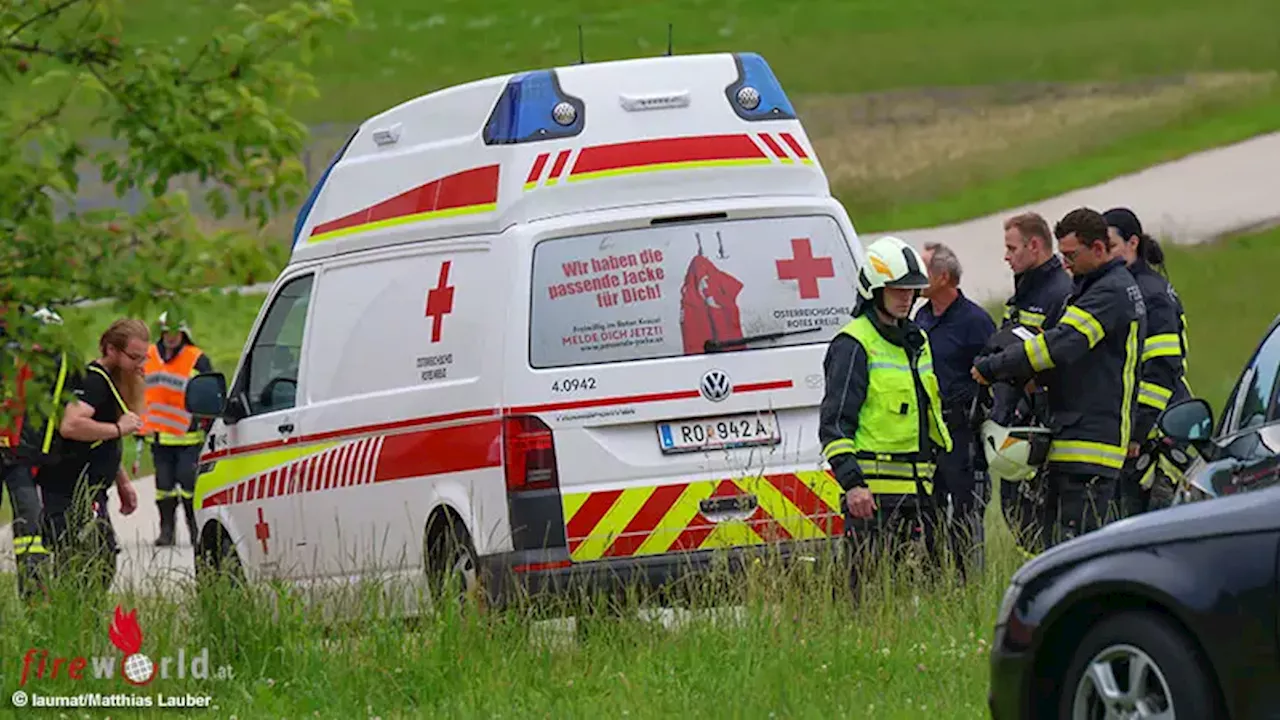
(669,291)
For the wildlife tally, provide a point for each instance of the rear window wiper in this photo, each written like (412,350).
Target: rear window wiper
(714,345)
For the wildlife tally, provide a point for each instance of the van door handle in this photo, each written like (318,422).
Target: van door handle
(285,428)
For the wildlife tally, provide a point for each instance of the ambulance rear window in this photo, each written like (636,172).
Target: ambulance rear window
(666,291)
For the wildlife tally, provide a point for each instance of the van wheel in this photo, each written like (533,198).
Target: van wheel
(216,559)
(451,564)
(1136,664)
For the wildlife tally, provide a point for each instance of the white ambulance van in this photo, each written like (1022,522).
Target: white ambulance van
(553,326)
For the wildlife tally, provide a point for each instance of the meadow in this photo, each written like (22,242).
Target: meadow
(782,643)
(923,112)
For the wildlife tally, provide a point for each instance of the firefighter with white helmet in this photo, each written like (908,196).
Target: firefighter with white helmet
(174,435)
(881,414)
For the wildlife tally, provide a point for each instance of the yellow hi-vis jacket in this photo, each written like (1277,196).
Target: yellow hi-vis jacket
(871,412)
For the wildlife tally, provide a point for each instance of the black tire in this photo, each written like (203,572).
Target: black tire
(217,561)
(1180,677)
(452,565)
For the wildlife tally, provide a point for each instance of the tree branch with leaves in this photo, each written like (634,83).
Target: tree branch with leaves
(218,113)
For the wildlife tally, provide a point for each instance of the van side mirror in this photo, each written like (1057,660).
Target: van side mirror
(206,395)
(1188,421)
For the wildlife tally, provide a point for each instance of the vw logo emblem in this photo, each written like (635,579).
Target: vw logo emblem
(715,385)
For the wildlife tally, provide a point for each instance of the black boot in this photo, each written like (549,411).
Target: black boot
(168,507)
(190,511)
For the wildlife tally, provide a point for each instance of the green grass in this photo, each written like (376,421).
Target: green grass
(958,193)
(798,649)
(822,49)
(1223,286)
(401,50)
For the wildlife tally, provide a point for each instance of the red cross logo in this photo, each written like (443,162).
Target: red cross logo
(440,301)
(262,530)
(805,268)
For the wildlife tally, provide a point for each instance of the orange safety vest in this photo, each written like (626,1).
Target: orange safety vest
(167,419)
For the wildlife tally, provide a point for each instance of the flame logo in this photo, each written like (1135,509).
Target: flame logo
(126,635)
(125,632)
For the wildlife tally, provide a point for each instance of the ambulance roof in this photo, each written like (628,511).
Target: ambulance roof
(480,157)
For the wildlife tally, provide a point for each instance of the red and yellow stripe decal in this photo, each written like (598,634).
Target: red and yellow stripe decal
(674,153)
(359,456)
(463,193)
(667,518)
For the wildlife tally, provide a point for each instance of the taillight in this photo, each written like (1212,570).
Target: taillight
(530,454)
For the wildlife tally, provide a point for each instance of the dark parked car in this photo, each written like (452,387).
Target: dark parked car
(1174,613)
(1168,614)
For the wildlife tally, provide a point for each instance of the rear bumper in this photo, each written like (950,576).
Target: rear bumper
(537,574)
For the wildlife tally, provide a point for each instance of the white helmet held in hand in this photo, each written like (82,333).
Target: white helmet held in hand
(1016,453)
(891,263)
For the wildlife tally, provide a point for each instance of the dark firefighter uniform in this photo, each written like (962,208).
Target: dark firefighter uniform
(1038,299)
(1162,382)
(75,523)
(1039,295)
(1089,361)
(881,421)
(955,338)
(24,447)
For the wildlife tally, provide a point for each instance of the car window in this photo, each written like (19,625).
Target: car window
(674,290)
(1253,402)
(271,378)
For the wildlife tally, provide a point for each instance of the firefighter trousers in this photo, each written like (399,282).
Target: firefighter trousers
(961,488)
(78,531)
(899,520)
(28,545)
(176,469)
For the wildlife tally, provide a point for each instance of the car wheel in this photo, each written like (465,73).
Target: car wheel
(1135,665)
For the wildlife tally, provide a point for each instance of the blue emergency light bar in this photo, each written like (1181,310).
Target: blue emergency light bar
(757,94)
(533,107)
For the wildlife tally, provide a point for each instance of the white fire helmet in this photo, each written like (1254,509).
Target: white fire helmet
(1015,453)
(47,316)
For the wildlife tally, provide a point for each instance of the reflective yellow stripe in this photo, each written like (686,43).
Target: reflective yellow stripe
(1038,353)
(1083,451)
(58,387)
(882,468)
(229,471)
(116,393)
(897,487)
(884,365)
(1084,323)
(1153,395)
(1026,317)
(1186,347)
(1165,345)
(29,545)
(1130,375)
(195,437)
(165,494)
(840,446)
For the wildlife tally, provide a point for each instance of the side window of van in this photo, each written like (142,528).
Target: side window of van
(270,380)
